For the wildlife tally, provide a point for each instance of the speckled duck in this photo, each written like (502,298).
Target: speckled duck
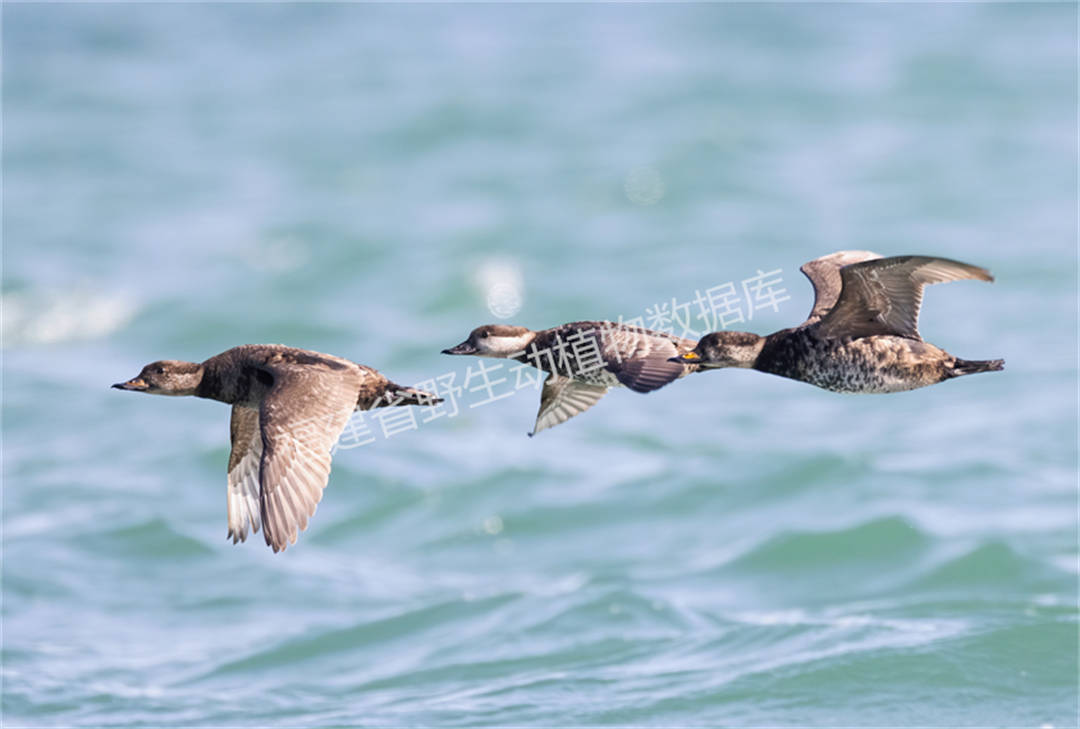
(862,334)
(289,408)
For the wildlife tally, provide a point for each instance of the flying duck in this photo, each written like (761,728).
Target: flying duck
(862,333)
(583,359)
(289,408)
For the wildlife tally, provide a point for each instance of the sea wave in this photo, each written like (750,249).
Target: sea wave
(52,317)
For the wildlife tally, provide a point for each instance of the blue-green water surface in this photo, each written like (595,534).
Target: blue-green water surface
(374,181)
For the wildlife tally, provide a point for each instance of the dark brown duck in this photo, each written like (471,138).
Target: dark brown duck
(862,333)
(289,408)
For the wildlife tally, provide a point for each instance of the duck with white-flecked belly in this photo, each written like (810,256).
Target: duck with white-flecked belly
(861,335)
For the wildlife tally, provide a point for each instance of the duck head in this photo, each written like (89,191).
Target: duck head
(724,349)
(494,340)
(166,377)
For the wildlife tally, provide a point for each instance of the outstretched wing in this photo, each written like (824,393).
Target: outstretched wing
(562,398)
(300,418)
(883,296)
(824,275)
(244,460)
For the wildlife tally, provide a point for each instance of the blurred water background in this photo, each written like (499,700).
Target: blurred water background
(374,181)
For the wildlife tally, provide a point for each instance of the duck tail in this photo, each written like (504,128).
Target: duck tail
(400,395)
(975,366)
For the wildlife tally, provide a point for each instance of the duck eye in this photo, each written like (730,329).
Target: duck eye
(484,335)
(159,370)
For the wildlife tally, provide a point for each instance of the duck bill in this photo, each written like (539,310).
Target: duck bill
(688,358)
(137,385)
(463,348)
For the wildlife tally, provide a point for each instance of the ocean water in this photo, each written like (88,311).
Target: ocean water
(374,181)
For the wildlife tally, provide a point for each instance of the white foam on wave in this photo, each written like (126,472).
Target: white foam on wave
(798,617)
(62,316)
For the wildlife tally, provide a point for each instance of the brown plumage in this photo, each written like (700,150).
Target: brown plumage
(290,406)
(862,333)
(583,359)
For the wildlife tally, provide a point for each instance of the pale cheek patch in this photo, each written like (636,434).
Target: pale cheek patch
(506,345)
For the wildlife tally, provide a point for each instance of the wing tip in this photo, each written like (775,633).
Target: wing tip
(278,545)
(977,273)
